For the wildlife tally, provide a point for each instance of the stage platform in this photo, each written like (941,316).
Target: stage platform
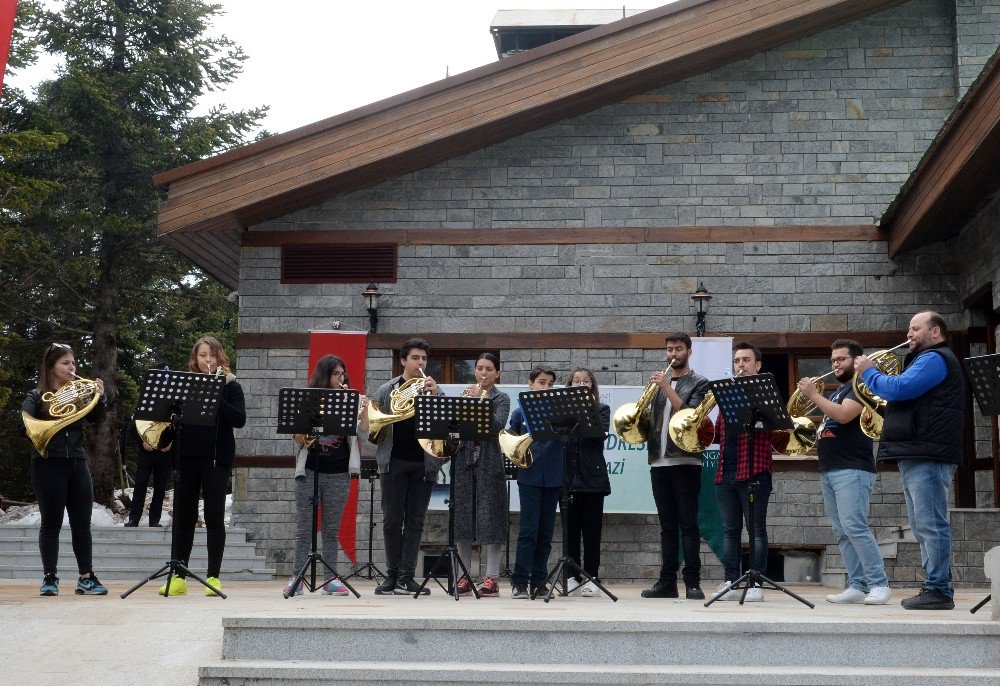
(257,637)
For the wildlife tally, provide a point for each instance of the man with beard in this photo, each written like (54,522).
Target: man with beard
(675,474)
(847,474)
(922,432)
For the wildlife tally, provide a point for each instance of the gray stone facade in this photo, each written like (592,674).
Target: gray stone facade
(822,131)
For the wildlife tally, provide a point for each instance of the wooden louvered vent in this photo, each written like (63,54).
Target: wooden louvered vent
(335,263)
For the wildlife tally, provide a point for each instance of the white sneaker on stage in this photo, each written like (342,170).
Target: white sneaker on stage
(754,595)
(590,590)
(574,587)
(731,595)
(849,596)
(879,595)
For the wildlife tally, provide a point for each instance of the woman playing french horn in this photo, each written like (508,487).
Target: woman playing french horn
(481,485)
(60,476)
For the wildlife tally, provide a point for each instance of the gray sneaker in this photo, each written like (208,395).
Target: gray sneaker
(520,592)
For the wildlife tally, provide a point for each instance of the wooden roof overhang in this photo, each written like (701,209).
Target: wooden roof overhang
(212,201)
(957,175)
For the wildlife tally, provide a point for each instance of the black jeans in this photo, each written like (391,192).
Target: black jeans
(675,492)
(157,465)
(63,484)
(200,474)
(734,505)
(584,518)
(534,539)
(406,493)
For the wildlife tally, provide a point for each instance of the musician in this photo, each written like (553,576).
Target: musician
(205,460)
(481,483)
(61,478)
(743,460)
(922,434)
(538,487)
(150,463)
(675,475)
(408,475)
(847,474)
(589,485)
(335,458)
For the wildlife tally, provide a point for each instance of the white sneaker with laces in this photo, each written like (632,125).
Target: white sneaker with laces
(573,587)
(849,596)
(754,595)
(731,595)
(590,590)
(879,595)
(288,586)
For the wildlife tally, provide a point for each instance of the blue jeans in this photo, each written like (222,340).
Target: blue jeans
(734,505)
(534,540)
(925,485)
(846,493)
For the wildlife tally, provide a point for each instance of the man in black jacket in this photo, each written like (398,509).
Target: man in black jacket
(922,433)
(676,475)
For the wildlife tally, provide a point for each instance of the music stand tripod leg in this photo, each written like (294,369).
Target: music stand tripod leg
(981,603)
(370,568)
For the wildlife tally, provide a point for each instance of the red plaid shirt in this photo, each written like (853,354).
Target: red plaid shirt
(753,454)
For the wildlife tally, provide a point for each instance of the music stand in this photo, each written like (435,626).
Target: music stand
(984,377)
(458,418)
(509,474)
(561,414)
(752,402)
(317,411)
(181,398)
(369,470)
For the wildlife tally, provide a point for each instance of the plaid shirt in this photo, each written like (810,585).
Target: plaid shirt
(753,454)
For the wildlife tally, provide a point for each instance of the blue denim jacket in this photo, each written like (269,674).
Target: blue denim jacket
(546,470)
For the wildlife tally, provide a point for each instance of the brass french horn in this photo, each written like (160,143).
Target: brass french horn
(874,406)
(631,421)
(516,448)
(68,405)
(402,405)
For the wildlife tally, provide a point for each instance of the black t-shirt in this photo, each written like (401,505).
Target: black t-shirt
(404,441)
(332,452)
(844,446)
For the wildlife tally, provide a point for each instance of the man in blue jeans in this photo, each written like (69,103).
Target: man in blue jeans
(922,433)
(538,488)
(847,474)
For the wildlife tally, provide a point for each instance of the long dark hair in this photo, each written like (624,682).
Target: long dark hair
(321,375)
(52,354)
(595,391)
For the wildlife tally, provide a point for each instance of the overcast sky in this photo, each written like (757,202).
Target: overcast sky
(312,59)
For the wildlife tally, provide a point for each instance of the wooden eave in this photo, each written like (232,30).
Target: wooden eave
(958,174)
(211,201)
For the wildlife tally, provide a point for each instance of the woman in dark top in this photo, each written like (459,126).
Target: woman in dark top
(61,478)
(589,485)
(336,458)
(205,461)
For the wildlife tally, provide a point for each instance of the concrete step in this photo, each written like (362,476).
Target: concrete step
(312,673)
(833,644)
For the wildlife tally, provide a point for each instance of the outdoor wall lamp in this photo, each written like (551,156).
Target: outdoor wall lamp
(372,294)
(701,297)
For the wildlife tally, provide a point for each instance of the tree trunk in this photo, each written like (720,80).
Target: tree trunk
(105,444)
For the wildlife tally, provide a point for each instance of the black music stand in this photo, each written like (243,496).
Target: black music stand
(456,418)
(984,377)
(509,474)
(325,411)
(181,398)
(369,470)
(753,403)
(561,414)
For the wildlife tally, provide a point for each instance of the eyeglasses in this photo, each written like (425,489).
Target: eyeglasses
(839,360)
(340,373)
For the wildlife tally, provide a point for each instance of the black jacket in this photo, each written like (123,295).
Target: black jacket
(218,442)
(590,469)
(68,442)
(931,426)
(692,388)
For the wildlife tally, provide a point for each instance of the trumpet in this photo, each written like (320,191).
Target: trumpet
(69,404)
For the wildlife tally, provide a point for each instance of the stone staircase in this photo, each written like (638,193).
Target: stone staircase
(313,650)
(125,554)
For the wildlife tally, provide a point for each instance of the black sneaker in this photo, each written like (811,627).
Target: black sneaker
(662,589)
(538,591)
(694,592)
(928,599)
(520,592)
(131,524)
(407,586)
(387,587)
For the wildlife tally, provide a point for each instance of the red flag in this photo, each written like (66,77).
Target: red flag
(352,348)
(8,10)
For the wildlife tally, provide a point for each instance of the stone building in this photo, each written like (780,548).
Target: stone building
(562,205)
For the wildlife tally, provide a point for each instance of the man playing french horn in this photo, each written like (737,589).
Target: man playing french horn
(675,475)
(407,472)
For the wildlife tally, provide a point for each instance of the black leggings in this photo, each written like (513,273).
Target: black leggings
(63,484)
(200,474)
(585,519)
(156,465)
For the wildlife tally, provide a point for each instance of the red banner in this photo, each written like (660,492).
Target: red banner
(8,10)
(352,348)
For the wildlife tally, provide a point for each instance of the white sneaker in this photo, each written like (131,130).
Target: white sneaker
(849,596)
(590,590)
(573,587)
(288,586)
(731,595)
(879,595)
(754,595)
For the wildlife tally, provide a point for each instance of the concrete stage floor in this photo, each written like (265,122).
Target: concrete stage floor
(147,639)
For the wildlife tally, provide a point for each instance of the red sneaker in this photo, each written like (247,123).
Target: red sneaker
(490,587)
(464,587)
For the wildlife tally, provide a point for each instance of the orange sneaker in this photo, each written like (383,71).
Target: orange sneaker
(464,587)
(490,588)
